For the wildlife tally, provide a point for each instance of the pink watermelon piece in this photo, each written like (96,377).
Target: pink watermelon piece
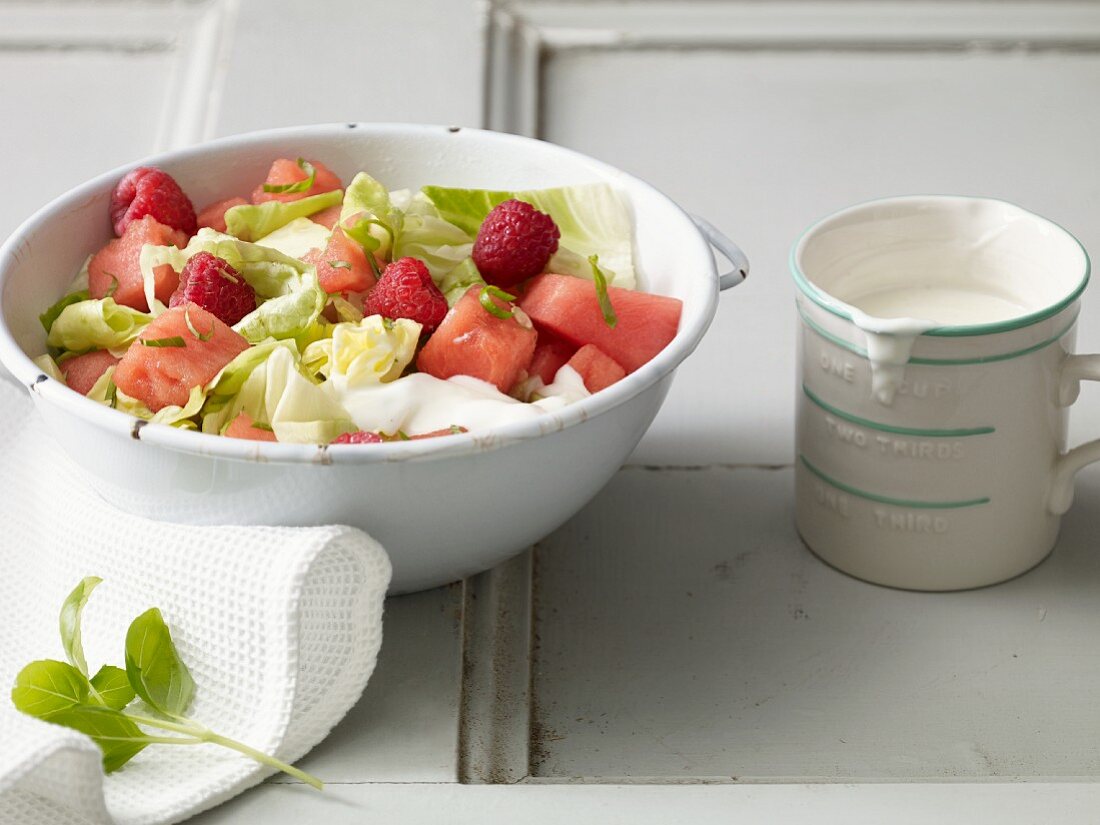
(327,217)
(569,308)
(472,341)
(596,369)
(356,277)
(551,354)
(120,260)
(284,171)
(83,371)
(241,427)
(163,376)
(213,215)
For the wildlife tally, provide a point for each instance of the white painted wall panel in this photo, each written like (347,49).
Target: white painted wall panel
(68,121)
(764,142)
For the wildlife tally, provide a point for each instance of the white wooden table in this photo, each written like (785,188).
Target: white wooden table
(673,653)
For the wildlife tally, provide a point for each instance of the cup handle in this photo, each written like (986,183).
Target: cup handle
(1074,370)
(730,251)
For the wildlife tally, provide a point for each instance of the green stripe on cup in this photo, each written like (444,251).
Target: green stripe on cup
(895,502)
(936,362)
(889,428)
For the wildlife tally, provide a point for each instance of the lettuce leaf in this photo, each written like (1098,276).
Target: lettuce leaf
(288,315)
(592,217)
(368,216)
(171,415)
(251,221)
(458,280)
(297,238)
(425,235)
(371,351)
(277,393)
(50,368)
(96,324)
(225,386)
(50,315)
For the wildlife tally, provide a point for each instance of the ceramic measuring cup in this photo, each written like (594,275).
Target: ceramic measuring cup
(931,449)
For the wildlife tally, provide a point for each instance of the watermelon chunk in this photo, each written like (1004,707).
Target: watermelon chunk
(356,277)
(163,376)
(120,260)
(284,171)
(472,341)
(241,427)
(83,371)
(596,369)
(214,214)
(327,217)
(569,308)
(551,354)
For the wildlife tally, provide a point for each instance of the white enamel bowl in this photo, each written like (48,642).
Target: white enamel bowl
(444,508)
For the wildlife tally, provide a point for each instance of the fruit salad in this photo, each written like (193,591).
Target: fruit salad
(310,311)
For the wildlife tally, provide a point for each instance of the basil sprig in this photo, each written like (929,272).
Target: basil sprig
(298,186)
(63,693)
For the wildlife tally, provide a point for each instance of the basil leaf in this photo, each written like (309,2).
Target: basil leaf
(339,264)
(69,622)
(172,341)
(118,737)
(112,687)
(47,687)
(608,311)
(300,186)
(154,668)
(50,315)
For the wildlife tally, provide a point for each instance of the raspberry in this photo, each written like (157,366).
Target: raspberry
(215,286)
(358,437)
(150,191)
(514,243)
(406,290)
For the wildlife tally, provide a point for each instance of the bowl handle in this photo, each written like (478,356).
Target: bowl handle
(730,251)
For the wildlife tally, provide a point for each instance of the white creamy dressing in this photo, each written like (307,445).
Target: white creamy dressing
(893,318)
(421,403)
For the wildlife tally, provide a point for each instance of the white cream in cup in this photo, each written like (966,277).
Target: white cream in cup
(935,373)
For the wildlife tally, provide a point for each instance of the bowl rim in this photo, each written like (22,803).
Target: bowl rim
(694,322)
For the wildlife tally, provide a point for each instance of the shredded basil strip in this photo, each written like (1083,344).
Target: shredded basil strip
(174,341)
(299,186)
(259,425)
(195,332)
(113,288)
(340,264)
(609,316)
(486,298)
(457,430)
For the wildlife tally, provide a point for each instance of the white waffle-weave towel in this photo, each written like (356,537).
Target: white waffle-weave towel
(280,627)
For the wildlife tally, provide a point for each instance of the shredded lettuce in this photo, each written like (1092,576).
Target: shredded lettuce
(593,220)
(251,221)
(297,238)
(96,324)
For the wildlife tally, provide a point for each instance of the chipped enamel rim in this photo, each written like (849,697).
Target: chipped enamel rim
(700,304)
